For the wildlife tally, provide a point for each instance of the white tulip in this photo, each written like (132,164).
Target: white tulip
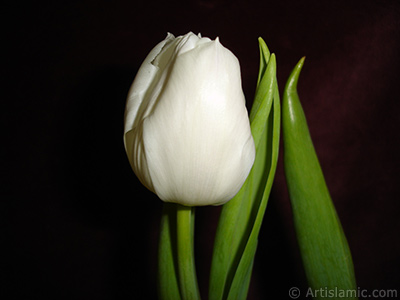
(187,133)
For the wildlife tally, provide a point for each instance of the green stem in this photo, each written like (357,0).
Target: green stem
(168,283)
(186,266)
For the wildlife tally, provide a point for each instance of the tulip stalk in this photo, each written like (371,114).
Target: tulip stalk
(168,282)
(185,249)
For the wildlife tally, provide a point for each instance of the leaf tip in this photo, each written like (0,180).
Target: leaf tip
(291,85)
(263,49)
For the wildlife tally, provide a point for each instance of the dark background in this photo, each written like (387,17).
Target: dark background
(78,224)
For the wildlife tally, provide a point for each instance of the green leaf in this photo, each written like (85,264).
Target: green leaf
(264,83)
(264,58)
(240,220)
(168,288)
(238,289)
(325,253)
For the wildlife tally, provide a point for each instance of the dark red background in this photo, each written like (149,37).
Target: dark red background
(79,225)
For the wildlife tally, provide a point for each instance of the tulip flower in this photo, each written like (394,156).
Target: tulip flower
(187,133)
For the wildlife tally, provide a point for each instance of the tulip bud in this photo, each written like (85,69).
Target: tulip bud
(187,133)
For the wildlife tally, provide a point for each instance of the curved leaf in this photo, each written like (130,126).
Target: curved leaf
(325,253)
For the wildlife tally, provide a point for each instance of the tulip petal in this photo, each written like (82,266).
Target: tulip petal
(187,133)
(144,78)
(197,139)
(135,105)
